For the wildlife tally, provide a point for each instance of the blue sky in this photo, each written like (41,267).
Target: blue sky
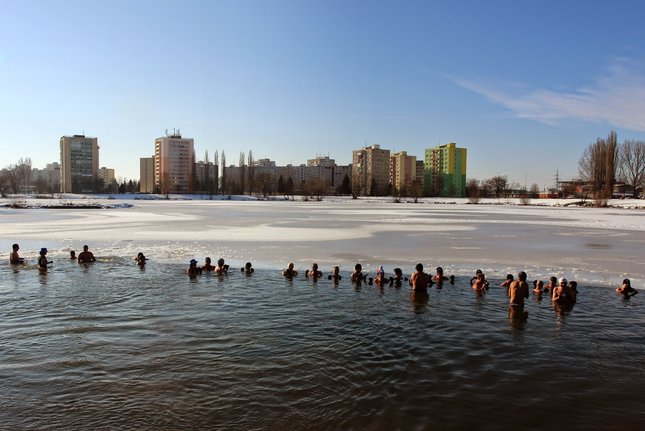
(525,86)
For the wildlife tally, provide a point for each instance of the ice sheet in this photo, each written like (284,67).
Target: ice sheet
(599,245)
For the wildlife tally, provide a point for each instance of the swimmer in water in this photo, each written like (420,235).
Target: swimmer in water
(141,259)
(14,257)
(248,269)
(483,283)
(221,268)
(560,293)
(86,256)
(626,289)
(379,279)
(43,263)
(335,275)
(398,278)
(207,265)
(290,272)
(553,283)
(518,290)
(357,275)
(439,277)
(573,291)
(314,272)
(72,255)
(193,270)
(507,282)
(419,280)
(539,287)
(480,284)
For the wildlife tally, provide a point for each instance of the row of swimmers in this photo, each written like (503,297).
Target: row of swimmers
(86,256)
(561,291)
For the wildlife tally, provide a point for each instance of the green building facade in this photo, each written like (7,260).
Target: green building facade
(445,171)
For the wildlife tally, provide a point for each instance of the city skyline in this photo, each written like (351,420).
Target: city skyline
(525,87)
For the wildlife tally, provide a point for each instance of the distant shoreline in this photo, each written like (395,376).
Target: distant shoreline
(107,201)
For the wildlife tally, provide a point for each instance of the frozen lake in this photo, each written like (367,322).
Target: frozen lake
(599,246)
(111,346)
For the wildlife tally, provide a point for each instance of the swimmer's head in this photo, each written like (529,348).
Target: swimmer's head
(193,262)
(521,275)
(358,267)
(563,280)
(290,265)
(540,283)
(314,266)
(207,260)
(627,282)
(573,284)
(220,261)
(380,270)
(509,277)
(248,265)
(85,248)
(439,270)
(43,251)
(419,267)
(398,271)
(15,247)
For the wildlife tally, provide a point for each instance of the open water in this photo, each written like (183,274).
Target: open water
(110,346)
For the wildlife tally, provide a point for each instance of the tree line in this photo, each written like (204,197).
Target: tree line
(605,162)
(18,178)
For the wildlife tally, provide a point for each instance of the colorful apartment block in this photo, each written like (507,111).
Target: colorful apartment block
(445,171)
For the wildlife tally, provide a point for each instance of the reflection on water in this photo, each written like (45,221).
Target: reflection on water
(116,346)
(518,317)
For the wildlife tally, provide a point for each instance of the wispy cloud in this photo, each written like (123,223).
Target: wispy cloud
(617,97)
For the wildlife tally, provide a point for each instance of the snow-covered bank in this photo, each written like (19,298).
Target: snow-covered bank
(108,200)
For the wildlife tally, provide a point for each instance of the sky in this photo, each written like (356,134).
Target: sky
(525,86)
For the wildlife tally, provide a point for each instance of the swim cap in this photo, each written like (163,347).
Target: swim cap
(43,250)
(563,280)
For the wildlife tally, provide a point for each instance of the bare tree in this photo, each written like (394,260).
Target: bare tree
(631,161)
(223,182)
(534,190)
(263,182)
(498,185)
(416,190)
(10,179)
(23,173)
(315,188)
(597,166)
(473,191)
(251,172)
(242,178)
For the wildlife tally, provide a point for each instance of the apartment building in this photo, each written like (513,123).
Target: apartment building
(371,171)
(445,171)
(174,159)
(79,164)
(403,172)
